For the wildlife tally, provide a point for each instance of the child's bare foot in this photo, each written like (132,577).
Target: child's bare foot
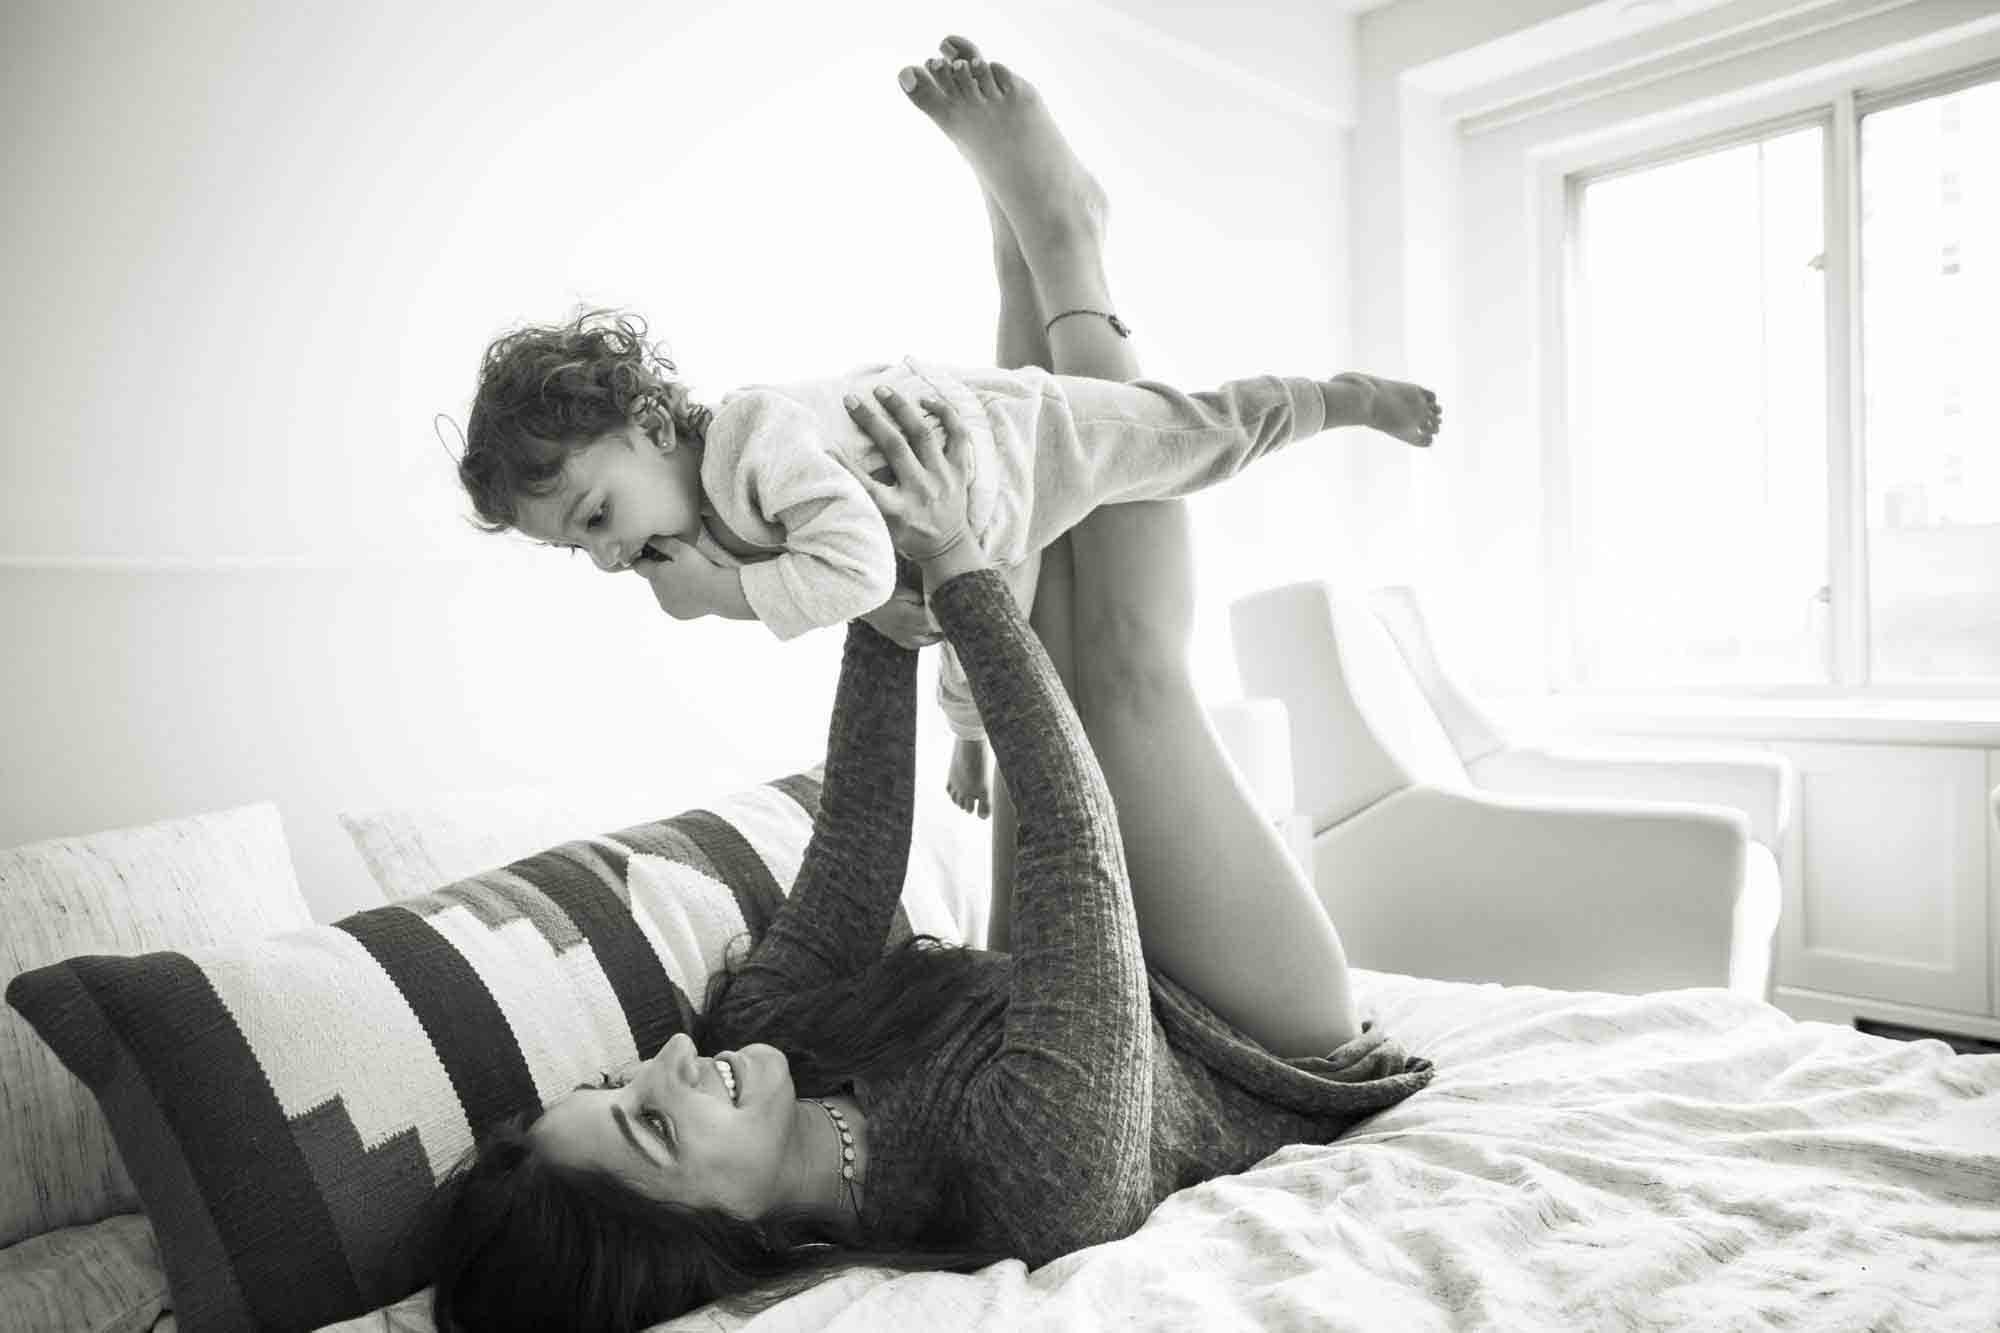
(1000,124)
(1410,412)
(967,780)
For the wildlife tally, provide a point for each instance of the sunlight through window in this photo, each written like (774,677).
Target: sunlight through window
(1700,450)
(1930,273)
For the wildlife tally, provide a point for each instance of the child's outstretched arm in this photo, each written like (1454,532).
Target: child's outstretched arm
(779,477)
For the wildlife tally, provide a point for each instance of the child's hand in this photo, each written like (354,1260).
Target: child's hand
(904,621)
(687,584)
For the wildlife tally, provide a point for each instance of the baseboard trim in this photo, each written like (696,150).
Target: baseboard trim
(1964,1045)
(1827,1007)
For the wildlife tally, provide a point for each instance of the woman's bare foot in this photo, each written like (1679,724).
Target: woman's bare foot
(1410,412)
(1002,127)
(967,782)
(1007,255)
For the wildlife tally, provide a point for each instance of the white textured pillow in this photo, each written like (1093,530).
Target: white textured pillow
(178,884)
(105,1278)
(951,861)
(412,850)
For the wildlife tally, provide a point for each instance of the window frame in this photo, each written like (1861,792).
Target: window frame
(1563,179)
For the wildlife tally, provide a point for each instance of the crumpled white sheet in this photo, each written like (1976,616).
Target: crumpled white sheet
(1688,1159)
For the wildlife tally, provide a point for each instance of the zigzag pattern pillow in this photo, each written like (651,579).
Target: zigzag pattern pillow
(287,1105)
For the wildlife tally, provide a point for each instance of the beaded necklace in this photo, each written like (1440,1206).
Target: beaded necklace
(846,1153)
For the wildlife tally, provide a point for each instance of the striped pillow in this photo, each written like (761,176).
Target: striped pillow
(287,1105)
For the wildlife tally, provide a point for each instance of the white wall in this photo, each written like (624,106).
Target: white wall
(1453,251)
(248,252)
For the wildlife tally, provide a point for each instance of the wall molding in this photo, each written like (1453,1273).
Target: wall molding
(1668,52)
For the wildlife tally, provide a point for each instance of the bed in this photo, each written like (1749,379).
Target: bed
(1687,1159)
(1681,1159)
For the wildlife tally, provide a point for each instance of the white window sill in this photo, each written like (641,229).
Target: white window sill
(1882,721)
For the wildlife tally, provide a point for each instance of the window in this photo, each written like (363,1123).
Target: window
(1930,330)
(1708,474)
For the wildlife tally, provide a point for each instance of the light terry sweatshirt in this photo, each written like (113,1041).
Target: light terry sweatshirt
(1045,450)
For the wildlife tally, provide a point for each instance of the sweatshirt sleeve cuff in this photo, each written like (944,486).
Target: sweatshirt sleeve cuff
(765,589)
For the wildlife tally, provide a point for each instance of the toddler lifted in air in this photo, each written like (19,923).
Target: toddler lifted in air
(580,436)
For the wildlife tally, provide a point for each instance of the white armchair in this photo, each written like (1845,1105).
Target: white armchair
(1441,848)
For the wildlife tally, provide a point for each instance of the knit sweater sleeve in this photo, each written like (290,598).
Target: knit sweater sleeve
(1059,1123)
(850,879)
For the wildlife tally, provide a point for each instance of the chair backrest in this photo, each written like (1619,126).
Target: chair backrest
(1473,734)
(1256,734)
(1361,725)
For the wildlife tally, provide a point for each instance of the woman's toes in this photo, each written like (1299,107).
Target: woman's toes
(941,78)
(922,87)
(958,48)
(1003,78)
(961,78)
(982,75)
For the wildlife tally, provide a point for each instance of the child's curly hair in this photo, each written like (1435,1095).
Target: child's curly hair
(545,391)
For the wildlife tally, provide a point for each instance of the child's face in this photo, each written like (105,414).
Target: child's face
(618,493)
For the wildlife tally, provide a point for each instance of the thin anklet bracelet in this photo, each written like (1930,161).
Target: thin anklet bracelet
(1118,326)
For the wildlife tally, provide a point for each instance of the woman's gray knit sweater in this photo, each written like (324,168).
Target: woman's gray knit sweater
(1078,1090)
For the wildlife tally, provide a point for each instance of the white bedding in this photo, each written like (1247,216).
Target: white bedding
(1684,1159)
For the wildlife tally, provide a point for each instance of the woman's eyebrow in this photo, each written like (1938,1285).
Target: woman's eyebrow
(624,1124)
(625,1128)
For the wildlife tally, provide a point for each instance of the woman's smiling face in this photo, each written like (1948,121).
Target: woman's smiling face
(670,1128)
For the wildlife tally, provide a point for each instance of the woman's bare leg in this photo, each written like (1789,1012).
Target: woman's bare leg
(1066,221)
(1019,341)
(1221,905)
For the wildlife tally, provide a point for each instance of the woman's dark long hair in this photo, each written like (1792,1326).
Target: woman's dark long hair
(519,1242)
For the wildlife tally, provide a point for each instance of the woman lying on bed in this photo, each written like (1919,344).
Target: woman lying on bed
(1174,1004)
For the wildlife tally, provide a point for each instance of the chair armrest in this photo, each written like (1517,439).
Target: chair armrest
(1764,787)
(1464,886)
(1753,950)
